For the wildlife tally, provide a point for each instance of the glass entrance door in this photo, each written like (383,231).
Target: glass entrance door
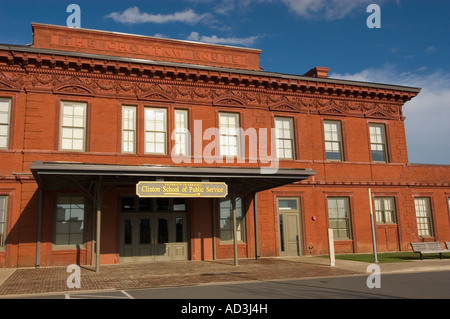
(152,236)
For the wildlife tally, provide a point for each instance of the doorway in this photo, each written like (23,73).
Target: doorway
(153,230)
(289,221)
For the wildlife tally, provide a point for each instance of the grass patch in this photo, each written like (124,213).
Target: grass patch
(393,257)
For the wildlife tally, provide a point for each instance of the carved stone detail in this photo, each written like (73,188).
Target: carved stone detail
(91,84)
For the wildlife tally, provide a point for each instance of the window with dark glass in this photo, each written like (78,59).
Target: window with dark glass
(69,224)
(226,220)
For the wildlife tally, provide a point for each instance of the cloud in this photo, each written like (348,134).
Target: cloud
(133,15)
(328,9)
(195,36)
(427,115)
(430,49)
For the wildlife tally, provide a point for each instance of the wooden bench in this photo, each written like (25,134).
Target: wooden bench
(432,247)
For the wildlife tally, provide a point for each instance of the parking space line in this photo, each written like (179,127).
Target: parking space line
(127,294)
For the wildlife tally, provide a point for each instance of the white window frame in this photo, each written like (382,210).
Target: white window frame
(129,125)
(285,138)
(229,140)
(4,199)
(378,141)
(71,125)
(5,123)
(333,139)
(424,218)
(182,135)
(385,210)
(155,135)
(339,215)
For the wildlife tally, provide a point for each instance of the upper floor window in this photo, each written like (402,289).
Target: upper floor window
(333,140)
(129,129)
(5,118)
(378,142)
(181,133)
(73,126)
(284,132)
(229,134)
(3,220)
(155,130)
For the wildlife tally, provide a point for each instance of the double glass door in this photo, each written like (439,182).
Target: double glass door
(153,236)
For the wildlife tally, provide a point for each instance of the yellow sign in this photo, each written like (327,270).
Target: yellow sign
(181,189)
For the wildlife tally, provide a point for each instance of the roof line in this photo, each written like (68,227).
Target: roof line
(148,37)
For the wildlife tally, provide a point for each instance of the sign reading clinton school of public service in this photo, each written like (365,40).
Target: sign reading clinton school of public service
(181,189)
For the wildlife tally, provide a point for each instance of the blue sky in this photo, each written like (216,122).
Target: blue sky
(412,47)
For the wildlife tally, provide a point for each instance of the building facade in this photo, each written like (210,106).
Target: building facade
(87,115)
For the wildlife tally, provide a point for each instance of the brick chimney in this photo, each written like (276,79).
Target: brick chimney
(318,72)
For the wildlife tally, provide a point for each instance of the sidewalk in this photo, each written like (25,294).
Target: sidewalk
(27,281)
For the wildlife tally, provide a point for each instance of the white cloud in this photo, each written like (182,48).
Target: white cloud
(195,36)
(329,9)
(427,115)
(133,15)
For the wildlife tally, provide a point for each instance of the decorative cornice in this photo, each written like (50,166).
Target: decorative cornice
(115,79)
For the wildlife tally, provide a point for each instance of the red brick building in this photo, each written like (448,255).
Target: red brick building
(86,115)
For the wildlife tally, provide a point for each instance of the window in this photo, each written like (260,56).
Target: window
(229,134)
(128,129)
(5,118)
(284,131)
(3,219)
(73,126)
(378,142)
(181,133)
(155,130)
(339,217)
(226,221)
(385,210)
(333,140)
(288,205)
(423,216)
(448,199)
(69,226)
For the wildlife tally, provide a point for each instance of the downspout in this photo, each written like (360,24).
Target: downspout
(255,207)
(39,229)
(214,203)
(233,208)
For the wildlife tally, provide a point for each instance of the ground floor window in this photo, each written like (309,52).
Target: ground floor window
(385,210)
(69,221)
(339,217)
(423,216)
(226,220)
(3,219)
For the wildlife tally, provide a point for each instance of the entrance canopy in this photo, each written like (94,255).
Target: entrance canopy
(65,175)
